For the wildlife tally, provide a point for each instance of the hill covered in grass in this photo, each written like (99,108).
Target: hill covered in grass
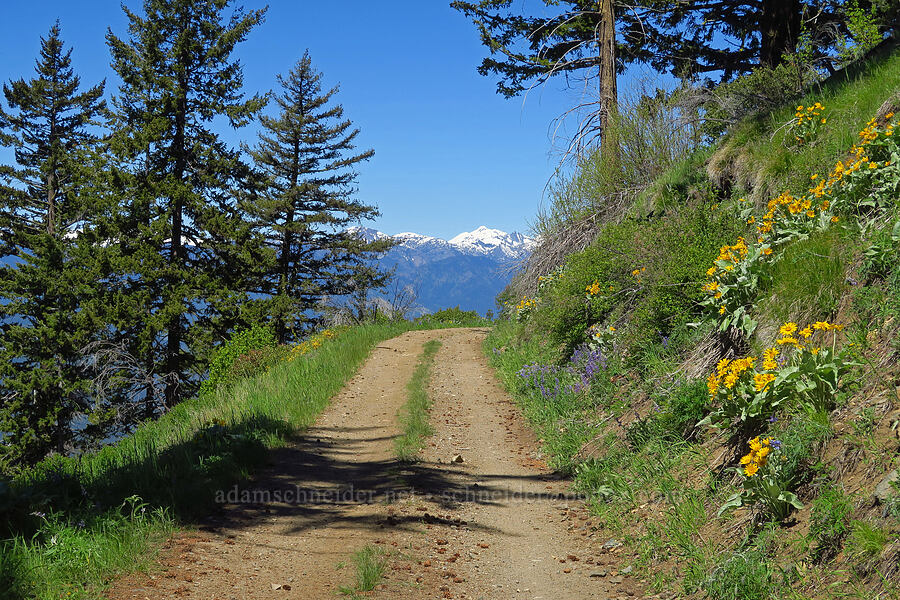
(717,363)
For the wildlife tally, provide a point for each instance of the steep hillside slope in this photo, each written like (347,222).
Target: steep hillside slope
(721,376)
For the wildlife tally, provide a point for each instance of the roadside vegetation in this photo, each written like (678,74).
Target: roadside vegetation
(414,414)
(716,365)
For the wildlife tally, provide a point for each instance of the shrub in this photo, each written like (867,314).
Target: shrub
(452,316)
(676,417)
(640,270)
(224,358)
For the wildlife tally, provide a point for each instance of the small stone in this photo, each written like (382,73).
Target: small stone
(458,458)
(598,574)
(884,490)
(626,570)
(615,580)
(609,544)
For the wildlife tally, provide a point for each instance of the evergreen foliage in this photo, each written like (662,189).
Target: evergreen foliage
(307,154)
(46,292)
(720,39)
(183,236)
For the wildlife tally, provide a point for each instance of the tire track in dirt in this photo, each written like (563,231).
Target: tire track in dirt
(499,524)
(340,464)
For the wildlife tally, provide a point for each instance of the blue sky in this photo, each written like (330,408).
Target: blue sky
(450,153)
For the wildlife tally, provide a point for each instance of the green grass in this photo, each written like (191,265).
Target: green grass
(759,154)
(73,559)
(867,541)
(370,563)
(414,414)
(809,279)
(830,522)
(171,467)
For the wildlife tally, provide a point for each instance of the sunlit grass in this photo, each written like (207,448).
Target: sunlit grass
(414,414)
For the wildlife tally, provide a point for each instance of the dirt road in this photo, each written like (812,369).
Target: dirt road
(498,524)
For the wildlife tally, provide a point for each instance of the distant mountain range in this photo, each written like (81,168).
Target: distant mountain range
(468,270)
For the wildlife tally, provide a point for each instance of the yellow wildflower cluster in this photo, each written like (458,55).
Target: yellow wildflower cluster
(807,120)
(308,345)
(859,161)
(593,289)
(789,216)
(791,333)
(550,277)
(525,303)
(757,457)
(727,373)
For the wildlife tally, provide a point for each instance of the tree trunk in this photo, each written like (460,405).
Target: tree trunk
(176,262)
(779,28)
(51,203)
(606,42)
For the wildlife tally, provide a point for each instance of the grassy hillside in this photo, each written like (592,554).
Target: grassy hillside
(721,377)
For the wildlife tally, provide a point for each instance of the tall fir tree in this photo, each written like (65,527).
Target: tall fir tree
(183,225)
(46,281)
(308,154)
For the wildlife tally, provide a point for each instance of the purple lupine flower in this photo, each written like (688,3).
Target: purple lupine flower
(775,444)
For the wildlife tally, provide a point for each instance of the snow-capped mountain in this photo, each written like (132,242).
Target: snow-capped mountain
(493,242)
(468,270)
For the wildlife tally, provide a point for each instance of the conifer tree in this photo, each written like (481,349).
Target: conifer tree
(183,226)
(46,282)
(308,155)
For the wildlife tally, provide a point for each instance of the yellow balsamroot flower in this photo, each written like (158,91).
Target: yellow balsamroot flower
(717,295)
(762,380)
(769,356)
(806,332)
(758,456)
(821,325)
(810,213)
(721,366)
(712,384)
(711,271)
(767,251)
(722,311)
(788,328)
(889,115)
(788,340)
(731,379)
